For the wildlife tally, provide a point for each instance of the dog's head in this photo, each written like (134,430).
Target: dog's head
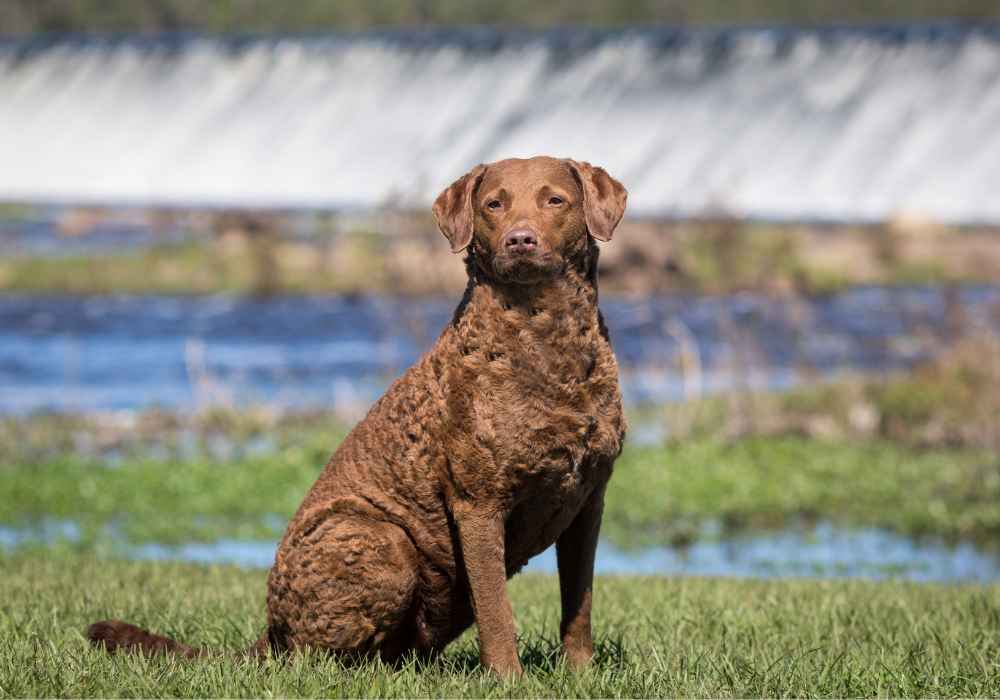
(525,217)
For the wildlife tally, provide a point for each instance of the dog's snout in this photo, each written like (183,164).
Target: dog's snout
(520,240)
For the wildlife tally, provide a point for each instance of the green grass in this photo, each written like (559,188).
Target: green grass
(656,494)
(655,637)
(765,482)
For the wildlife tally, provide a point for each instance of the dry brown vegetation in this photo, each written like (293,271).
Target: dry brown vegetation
(950,401)
(403,253)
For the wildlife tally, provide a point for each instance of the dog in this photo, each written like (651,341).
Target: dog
(496,444)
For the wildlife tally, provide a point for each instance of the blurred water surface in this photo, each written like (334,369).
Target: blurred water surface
(825,551)
(118,352)
(821,551)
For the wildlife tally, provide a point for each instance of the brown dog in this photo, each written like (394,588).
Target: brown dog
(496,444)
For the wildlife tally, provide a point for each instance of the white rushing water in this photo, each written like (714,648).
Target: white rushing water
(841,124)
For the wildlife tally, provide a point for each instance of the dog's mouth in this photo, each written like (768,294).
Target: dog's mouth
(526,268)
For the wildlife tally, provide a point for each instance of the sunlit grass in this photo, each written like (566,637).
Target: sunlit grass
(655,637)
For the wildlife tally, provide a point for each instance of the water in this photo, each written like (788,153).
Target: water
(128,353)
(825,551)
(38,234)
(776,123)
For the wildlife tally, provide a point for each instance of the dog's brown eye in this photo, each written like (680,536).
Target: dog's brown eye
(493,204)
(555,201)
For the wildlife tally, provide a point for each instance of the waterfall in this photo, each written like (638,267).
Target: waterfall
(840,124)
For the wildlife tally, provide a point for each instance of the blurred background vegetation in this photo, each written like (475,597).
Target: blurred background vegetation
(28,16)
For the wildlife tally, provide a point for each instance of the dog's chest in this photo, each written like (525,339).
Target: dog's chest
(534,406)
(548,428)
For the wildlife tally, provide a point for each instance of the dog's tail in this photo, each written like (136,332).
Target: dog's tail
(115,635)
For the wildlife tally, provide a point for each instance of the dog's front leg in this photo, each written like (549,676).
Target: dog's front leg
(575,551)
(481,533)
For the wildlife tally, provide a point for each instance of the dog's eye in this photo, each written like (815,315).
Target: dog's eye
(493,204)
(555,201)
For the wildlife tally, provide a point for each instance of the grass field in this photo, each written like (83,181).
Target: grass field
(655,637)
(658,494)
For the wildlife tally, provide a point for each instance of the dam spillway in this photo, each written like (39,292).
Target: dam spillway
(839,124)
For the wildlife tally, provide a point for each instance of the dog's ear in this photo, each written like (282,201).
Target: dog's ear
(454,211)
(603,199)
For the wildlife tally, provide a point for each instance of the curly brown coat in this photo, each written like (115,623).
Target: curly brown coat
(498,443)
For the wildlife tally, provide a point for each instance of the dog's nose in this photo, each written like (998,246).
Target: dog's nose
(520,240)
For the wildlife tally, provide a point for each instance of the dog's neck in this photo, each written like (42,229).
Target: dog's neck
(560,312)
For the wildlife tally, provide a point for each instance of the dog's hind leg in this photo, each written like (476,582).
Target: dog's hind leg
(344,583)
